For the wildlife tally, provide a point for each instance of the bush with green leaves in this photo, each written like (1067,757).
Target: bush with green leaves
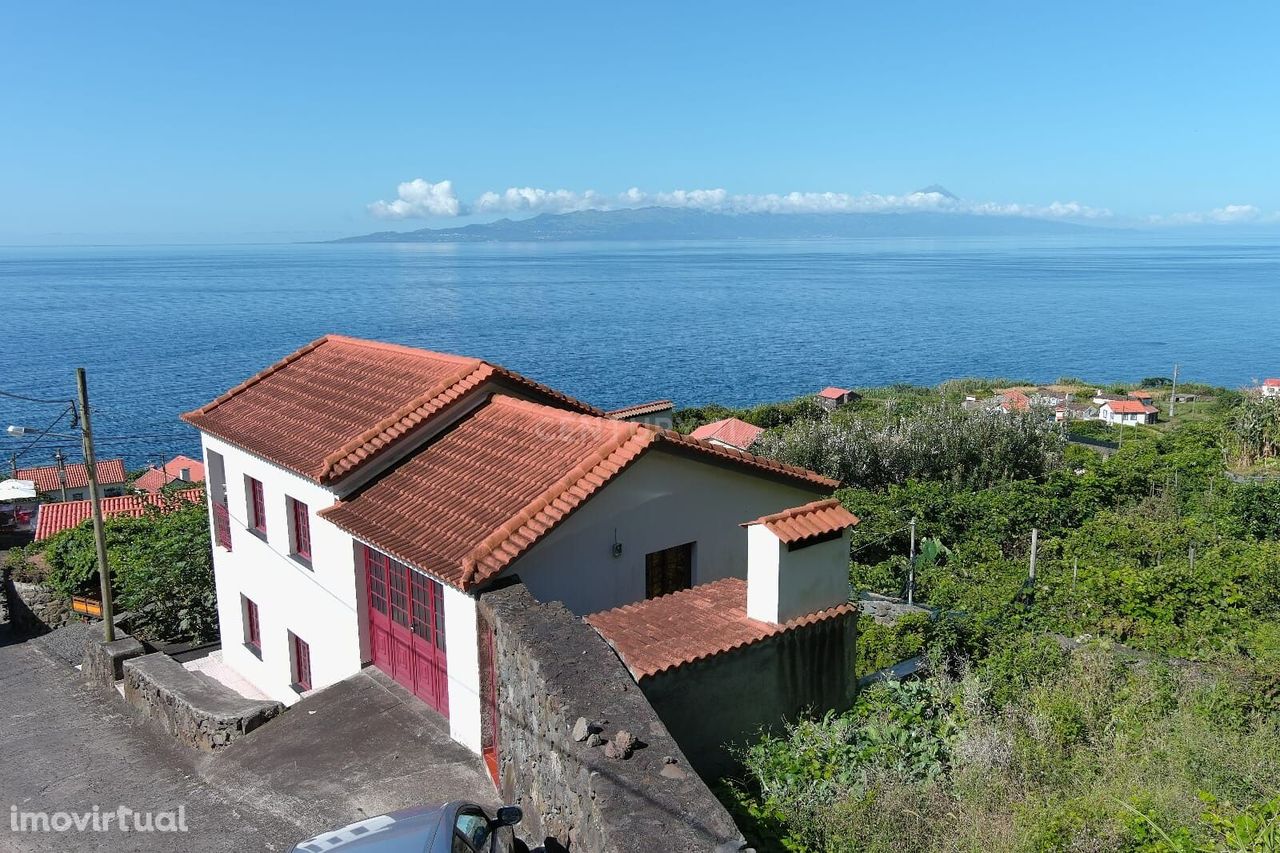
(161,566)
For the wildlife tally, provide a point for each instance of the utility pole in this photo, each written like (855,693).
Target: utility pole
(1035,538)
(99,535)
(1191,558)
(911,565)
(62,471)
(1173,391)
(13,465)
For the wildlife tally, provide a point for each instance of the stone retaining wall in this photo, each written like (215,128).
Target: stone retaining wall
(35,607)
(104,662)
(579,746)
(196,710)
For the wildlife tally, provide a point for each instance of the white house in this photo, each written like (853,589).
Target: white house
(1271,387)
(1127,412)
(363,494)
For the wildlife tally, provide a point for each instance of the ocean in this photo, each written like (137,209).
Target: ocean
(162,330)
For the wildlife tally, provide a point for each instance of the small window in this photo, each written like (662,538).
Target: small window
(470,830)
(257,505)
(301,529)
(252,627)
(669,570)
(301,654)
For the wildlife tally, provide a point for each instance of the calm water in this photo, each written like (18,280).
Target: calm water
(162,330)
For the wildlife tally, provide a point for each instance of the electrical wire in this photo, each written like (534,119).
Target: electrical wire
(27,399)
(47,430)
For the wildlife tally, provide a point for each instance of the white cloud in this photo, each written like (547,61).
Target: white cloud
(419,199)
(1230,214)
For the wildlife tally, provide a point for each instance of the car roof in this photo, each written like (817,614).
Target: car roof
(405,831)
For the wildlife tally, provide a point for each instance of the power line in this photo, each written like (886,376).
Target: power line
(25,398)
(47,430)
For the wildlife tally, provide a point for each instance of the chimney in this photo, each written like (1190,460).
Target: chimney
(798,561)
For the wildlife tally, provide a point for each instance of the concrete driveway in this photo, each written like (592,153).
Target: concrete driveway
(359,748)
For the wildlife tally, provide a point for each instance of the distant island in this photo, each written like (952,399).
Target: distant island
(667,223)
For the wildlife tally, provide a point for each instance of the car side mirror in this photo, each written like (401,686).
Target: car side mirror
(508,816)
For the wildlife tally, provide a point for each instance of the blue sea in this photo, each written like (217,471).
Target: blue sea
(162,330)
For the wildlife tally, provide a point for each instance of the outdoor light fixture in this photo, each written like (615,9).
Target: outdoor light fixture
(617,546)
(18,430)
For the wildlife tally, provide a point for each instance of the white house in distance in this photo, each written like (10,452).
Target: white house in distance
(1271,387)
(659,413)
(1127,412)
(363,494)
(50,484)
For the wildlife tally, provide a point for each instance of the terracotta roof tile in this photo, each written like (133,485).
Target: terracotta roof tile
(63,515)
(1271,383)
(156,479)
(339,402)
(641,409)
(1130,407)
(731,431)
(833,393)
(675,630)
(110,473)
(807,522)
(471,502)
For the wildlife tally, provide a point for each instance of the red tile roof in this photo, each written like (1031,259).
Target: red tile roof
(833,393)
(63,515)
(807,522)
(641,409)
(1130,407)
(1271,383)
(476,498)
(1015,401)
(338,402)
(110,473)
(1140,395)
(677,629)
(156,479)
(732,431)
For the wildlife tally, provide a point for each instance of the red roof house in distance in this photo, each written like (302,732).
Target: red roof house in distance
(832,397)
(696,647)
(1139,394)
(364,496)
(1015,400)
(730,432)
(1127,412)
(660,413)
(1271,387)
(180,468)
(52,518)
(111,479)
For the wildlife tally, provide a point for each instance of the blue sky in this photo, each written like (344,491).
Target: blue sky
(159,121)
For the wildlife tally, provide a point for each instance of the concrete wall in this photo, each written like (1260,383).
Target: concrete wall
(711,704)
(317,602)
(552,670)
(660,501)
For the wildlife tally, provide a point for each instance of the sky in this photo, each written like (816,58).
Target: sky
(161,122)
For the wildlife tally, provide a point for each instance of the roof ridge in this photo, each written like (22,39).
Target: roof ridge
(793,512)
(406,349)
(763,462)
(616,455)
(256,378)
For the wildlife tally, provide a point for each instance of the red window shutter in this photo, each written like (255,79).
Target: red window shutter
(253,630)
(302,663)
(259,506)
(301,530)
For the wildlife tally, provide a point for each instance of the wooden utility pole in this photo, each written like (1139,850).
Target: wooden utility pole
(99,535)
(1035,538)
(62,471)
(911,565)
(1173,391)
(13,465)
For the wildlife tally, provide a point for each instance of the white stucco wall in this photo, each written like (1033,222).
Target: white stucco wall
(317,603)
(660,501)
(763,550)
(462,651)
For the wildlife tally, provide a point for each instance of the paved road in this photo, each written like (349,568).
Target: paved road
(360,748)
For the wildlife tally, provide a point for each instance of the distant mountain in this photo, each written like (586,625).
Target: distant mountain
(940,190)
(669,223)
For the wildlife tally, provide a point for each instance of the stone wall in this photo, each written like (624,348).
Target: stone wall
(35,607)
(579,746)
(104,662)
(193,708)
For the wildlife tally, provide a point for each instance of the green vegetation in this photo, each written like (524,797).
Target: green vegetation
(1157,732)
(161,568)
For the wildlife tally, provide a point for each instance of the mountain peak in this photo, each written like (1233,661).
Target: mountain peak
(939,189)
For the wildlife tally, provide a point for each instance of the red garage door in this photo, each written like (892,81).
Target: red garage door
(406,627)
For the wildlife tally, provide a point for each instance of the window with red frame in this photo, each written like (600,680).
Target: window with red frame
(257,506)
(301,662)
(301,530)
(252,629)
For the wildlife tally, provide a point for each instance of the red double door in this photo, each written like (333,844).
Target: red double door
(406,627)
